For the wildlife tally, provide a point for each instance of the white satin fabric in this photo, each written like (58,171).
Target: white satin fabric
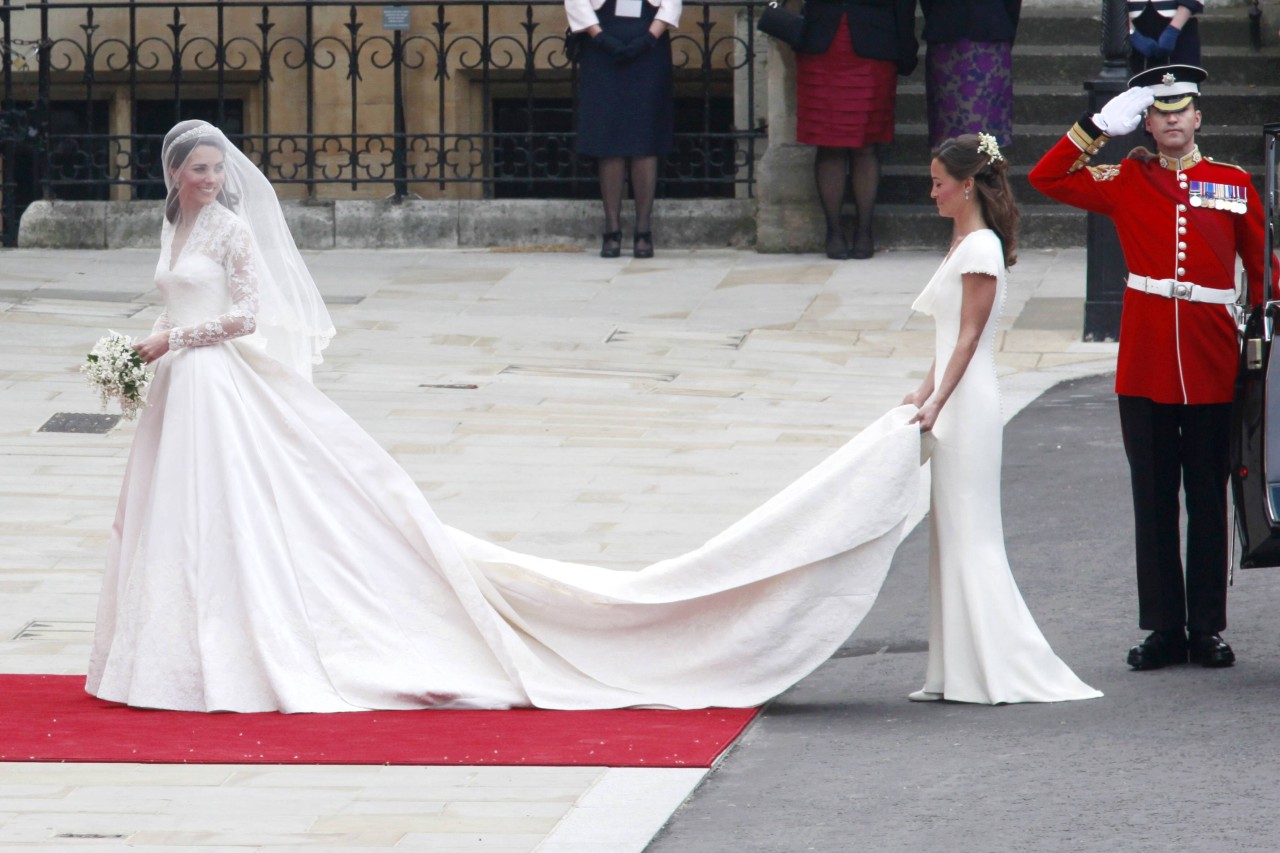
(268,555)
(984,644)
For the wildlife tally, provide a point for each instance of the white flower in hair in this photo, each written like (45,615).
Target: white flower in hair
(987,145)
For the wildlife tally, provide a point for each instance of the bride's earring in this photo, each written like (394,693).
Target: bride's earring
(966,193)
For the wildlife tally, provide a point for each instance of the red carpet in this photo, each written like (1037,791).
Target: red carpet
(51,718)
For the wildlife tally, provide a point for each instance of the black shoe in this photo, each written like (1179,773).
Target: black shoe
(1210,650)
(642,251)
(611,244)
(836,249)
(1159,649)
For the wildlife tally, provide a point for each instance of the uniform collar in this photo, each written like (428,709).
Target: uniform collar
(1175,164)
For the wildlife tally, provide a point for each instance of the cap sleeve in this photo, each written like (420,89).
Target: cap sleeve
(981,253)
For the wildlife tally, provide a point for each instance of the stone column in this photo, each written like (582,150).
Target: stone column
(788,215)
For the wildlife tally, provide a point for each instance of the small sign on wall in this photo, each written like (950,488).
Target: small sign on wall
(395,17)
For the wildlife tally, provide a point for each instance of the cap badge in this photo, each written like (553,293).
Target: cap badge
(1168,79)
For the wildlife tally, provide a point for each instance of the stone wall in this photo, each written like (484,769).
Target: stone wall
(434,224)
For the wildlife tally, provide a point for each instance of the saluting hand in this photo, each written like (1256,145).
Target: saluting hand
(1123,113)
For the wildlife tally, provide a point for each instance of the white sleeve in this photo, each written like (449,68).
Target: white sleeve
(580,14)
(669,12)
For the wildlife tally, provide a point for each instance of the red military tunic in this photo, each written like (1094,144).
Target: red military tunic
(1171,350)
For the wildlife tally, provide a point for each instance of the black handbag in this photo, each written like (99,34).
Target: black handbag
(786,26)
(573,43)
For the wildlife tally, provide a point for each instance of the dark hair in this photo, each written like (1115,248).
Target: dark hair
(962,159)
(178,154)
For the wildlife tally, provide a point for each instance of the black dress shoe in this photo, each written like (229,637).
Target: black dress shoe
(836,249)
(1159,649)
(1210,650)
(611,244)
(642,244)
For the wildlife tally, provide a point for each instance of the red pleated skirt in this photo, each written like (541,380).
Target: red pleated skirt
(842,99)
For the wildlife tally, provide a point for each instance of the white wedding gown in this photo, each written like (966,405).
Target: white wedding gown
(267,555)
(984,645)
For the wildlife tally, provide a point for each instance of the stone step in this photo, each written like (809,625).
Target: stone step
(911,185)
(1242,145)
(1040,104)
(1046,226)
(1058,64)
(1219,27)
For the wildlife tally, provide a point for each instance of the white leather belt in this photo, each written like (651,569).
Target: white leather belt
(1170,289)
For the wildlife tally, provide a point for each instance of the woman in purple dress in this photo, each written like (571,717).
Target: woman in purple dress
(969,67)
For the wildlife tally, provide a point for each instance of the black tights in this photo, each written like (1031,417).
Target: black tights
(830,168)
(644,183)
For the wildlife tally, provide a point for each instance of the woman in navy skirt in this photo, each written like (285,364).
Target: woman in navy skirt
(846,89)
(625,104)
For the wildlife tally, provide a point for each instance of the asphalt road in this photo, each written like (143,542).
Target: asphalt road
(1178,759)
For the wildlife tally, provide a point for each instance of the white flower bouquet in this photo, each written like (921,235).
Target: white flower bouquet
(117,372)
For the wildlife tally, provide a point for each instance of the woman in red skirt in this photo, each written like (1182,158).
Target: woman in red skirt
(846,86)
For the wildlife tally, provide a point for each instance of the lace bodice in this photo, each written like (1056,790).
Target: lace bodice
(211,288)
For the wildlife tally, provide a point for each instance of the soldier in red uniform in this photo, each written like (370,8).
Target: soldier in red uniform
(1182,220)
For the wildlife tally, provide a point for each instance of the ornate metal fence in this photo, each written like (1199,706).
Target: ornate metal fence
(464,98)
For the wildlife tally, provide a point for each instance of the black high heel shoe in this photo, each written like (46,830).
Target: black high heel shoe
(611,244)
(836,249)
(864,246)
(642,251)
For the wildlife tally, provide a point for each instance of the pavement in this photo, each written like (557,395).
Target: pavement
(618,412)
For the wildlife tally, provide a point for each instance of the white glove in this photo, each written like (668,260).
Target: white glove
(1123,113)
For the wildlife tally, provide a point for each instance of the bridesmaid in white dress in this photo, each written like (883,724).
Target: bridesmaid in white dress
(268,555)
(984,645)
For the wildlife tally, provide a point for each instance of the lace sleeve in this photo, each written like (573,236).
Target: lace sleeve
(242,284)
(162,323)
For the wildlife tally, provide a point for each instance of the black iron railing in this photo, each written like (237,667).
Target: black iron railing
(473,100)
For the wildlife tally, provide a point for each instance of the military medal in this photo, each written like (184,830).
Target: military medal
(1226,197)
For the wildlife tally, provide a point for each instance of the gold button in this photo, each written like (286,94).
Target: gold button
(1181,271)
(1181,208)
(1182,230)
(1182,256)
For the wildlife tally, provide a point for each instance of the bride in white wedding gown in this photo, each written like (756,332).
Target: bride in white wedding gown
(268,555)
(984,645)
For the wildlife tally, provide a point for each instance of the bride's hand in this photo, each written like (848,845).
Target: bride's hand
(927,416)
(153,346)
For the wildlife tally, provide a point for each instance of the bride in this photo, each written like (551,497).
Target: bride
(268,555)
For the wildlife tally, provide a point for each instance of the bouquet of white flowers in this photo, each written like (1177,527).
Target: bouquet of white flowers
(117,372)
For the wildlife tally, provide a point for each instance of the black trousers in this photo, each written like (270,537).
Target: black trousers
(1168,446)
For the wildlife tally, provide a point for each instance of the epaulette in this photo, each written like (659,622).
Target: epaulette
(1232,165)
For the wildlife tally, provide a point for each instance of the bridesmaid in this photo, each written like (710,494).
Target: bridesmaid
(625,105)
(845,102)
(984,645)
